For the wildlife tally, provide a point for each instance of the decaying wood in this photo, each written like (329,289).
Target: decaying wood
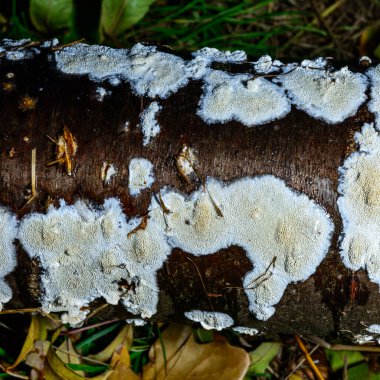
(56,136)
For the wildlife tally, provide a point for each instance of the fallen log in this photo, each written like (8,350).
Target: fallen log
(203,187)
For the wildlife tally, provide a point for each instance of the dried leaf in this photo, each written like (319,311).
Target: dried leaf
(55,368)
(121,362)
(36,359)
(187,359)
(124,337)
(37,331)
(66,352)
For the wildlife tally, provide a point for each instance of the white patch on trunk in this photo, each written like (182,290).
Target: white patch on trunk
(148,122)
(140,175)
(239,97)
(215,55)
(359,204)
(330,96)
(8,232)
(246,330)
(374,103)
(90,252)
(210,320)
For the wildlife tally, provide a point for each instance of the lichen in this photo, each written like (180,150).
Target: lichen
(328,95)
(359,204)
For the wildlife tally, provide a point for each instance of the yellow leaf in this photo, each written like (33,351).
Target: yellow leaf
(55,368)
(37,331)
(124,337)
(121,363)
(66,352)
(187,359)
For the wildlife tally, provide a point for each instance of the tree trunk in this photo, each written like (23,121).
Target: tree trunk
(199,188)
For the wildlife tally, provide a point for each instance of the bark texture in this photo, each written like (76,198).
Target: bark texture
(38,100)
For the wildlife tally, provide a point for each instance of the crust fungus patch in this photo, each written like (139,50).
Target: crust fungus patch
(18,50)
(250,101)
(215,55)
(87,253)
(8,232)
(210,320)
(328,95)
(149,72)
(359,204)
(374,103)
(246,330)
(140,175)
(148,122)
(286,235)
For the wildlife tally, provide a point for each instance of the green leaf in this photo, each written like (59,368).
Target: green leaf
(262,356)
(361,372)
(336,358)
(119,15)
(203,336)
(51,15)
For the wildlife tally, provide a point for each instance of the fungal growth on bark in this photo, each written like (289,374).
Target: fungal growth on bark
(330,96)
(359,204)
(202,187)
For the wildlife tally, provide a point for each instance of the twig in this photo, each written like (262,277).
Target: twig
(33,193)
(301,362)
(203,284)
(81,329)
(308,358)
(79,356)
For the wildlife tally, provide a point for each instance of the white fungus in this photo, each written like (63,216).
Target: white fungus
(285,235)
(136,322)
(99,62)
(149,72)
(148,122)
(330,96)
(374,103)
(374,329)
(250,101)
(215,55)
(140,175)
(359,204)
(89,252)
(265,65)
(246,330)
(8,232)
(210,320)
(101,93)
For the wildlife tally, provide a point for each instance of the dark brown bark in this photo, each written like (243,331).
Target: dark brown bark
(303,151)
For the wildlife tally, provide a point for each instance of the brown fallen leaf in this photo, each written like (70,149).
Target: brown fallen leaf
(186,359)
(121,364)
